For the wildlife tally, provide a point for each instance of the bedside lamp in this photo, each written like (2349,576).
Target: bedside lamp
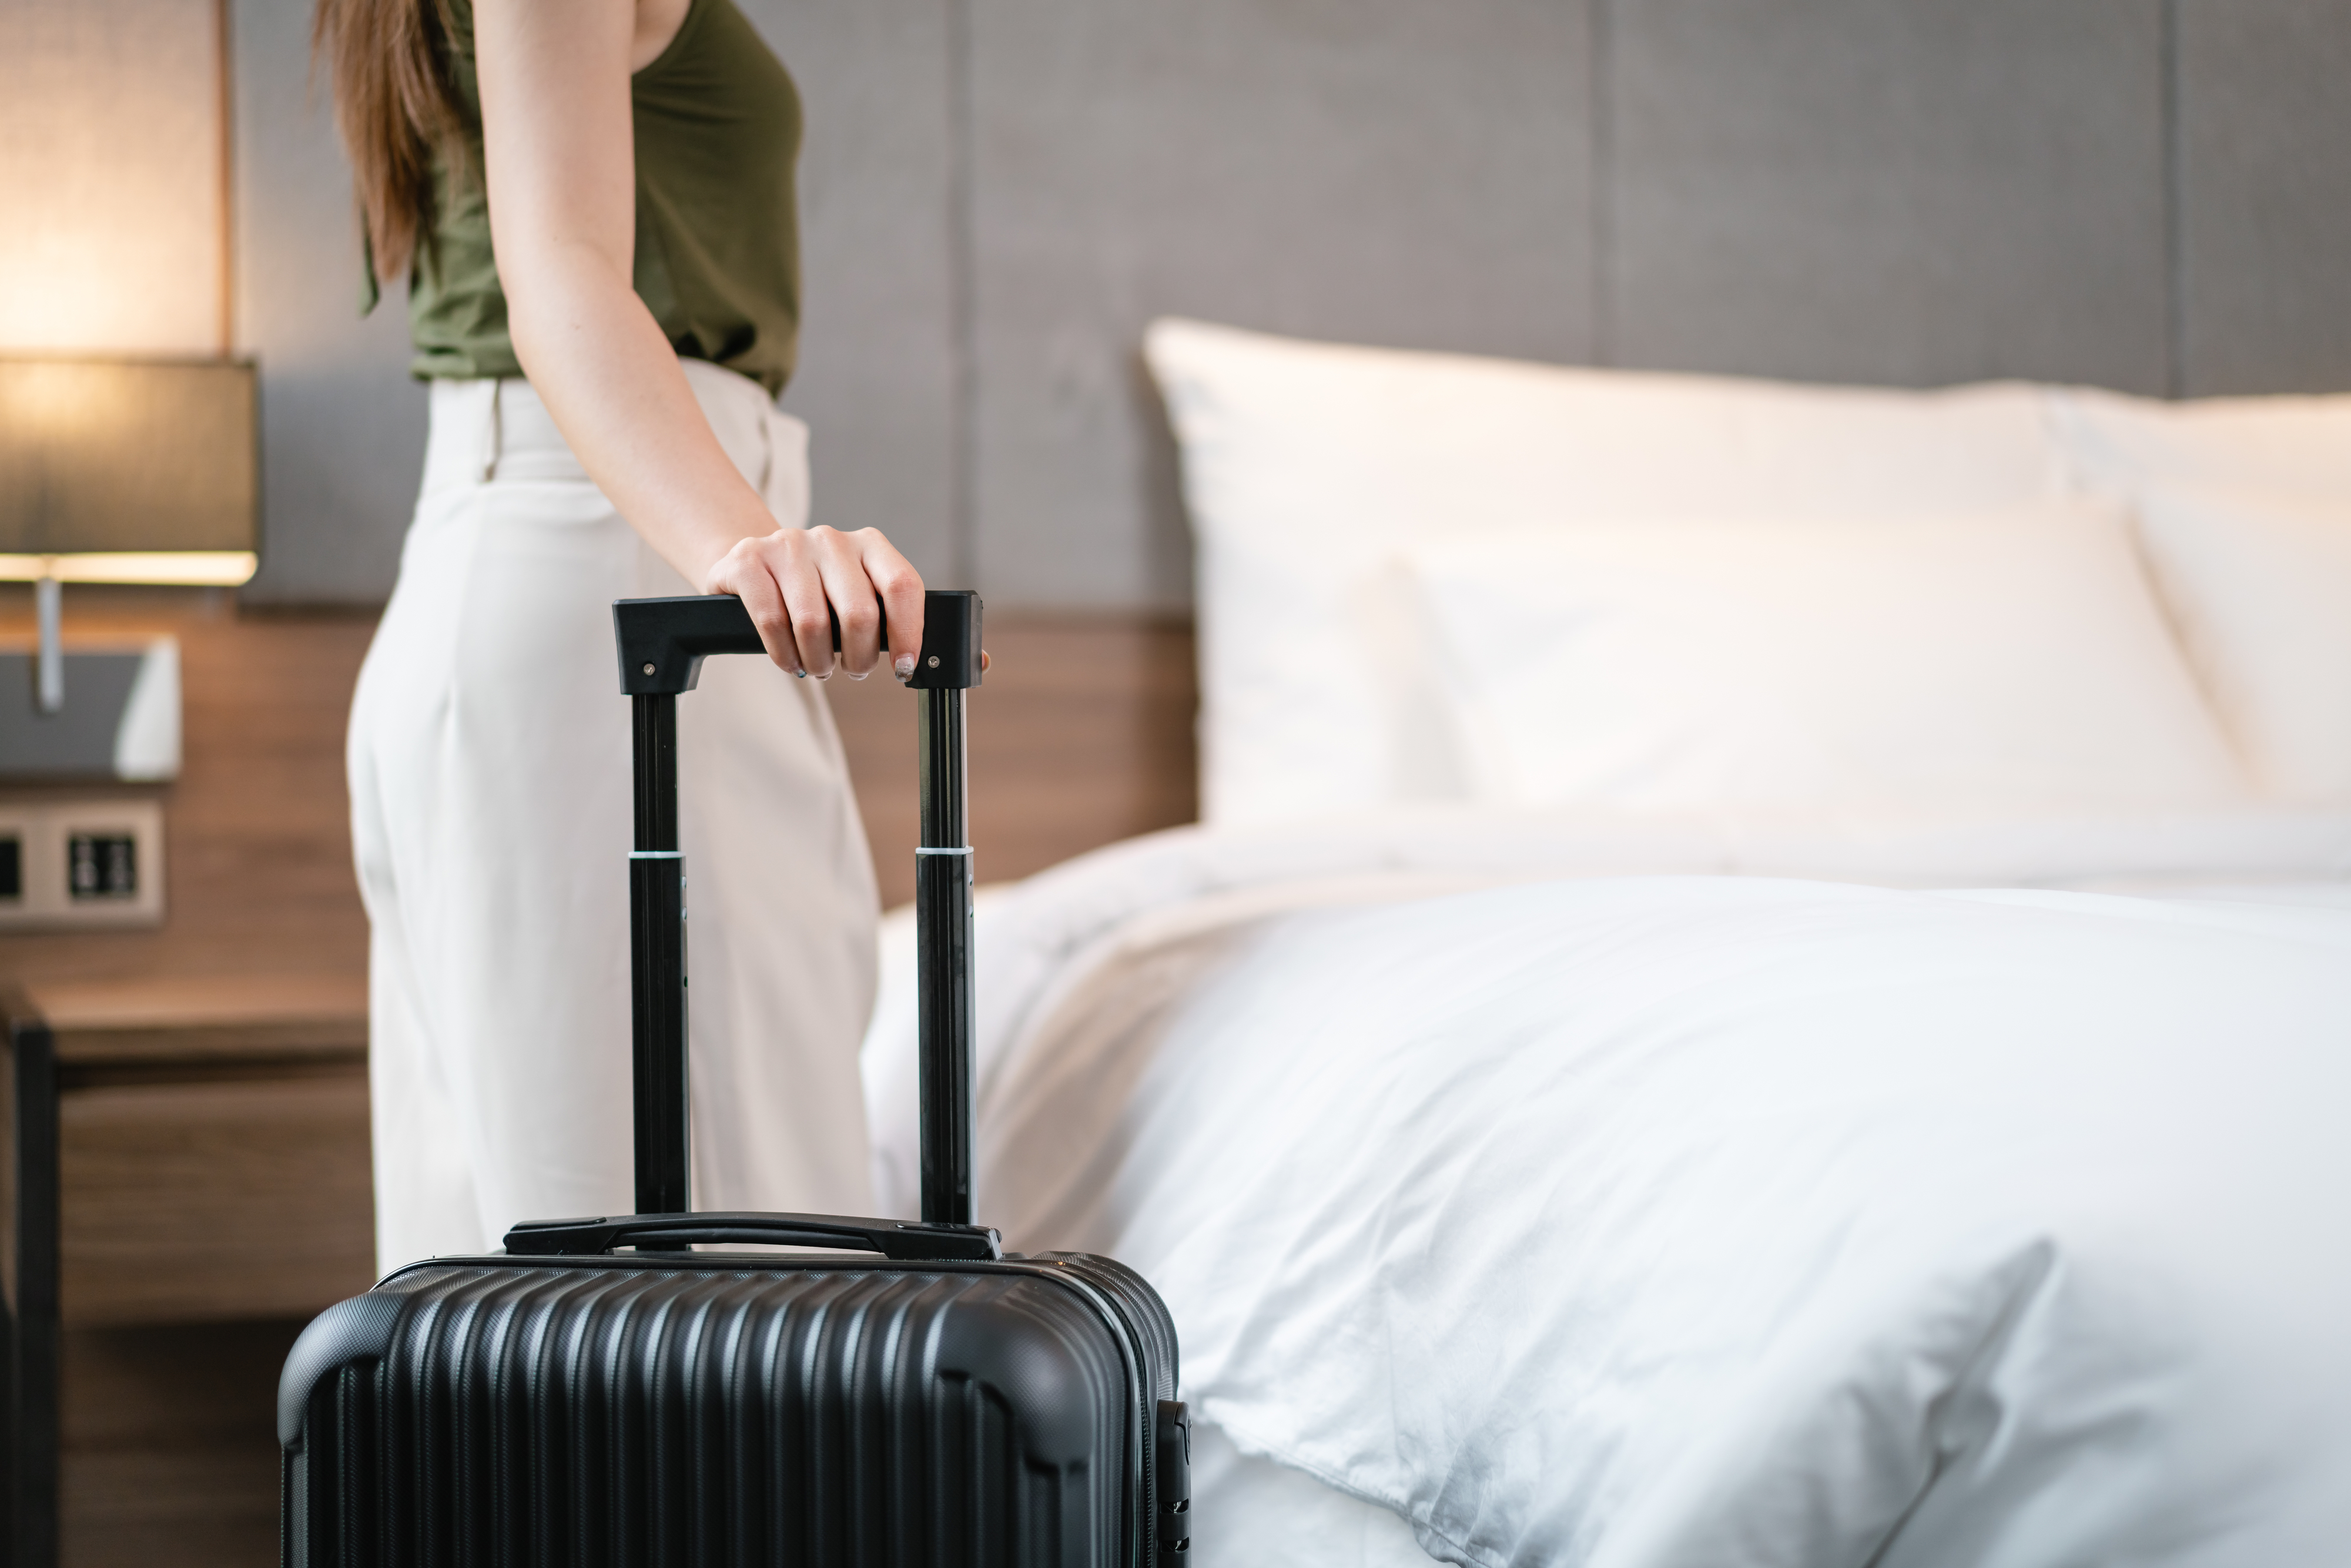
(123,470)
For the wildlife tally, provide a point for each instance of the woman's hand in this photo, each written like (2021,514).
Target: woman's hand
(795,581)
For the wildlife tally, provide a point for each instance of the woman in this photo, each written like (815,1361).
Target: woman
(603,426)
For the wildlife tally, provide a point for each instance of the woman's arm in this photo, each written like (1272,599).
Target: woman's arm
(560,157)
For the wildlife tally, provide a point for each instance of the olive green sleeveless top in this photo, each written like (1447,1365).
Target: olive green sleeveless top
(717,242)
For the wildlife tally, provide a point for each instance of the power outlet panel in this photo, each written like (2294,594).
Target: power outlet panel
(76,864)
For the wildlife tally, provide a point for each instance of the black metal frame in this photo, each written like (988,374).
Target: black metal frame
(29,1434)
(657,957)
(942,964)
(661,643)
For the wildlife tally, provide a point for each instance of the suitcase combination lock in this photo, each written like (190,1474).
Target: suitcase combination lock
(1174,1457)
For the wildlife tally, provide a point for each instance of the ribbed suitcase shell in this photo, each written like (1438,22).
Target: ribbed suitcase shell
(705,1408)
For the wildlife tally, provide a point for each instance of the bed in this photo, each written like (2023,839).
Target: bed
(1766,977)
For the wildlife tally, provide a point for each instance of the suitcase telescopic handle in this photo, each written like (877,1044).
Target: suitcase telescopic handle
(892,1238)
(661,643)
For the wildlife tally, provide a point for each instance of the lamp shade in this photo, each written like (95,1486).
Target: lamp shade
(128,470)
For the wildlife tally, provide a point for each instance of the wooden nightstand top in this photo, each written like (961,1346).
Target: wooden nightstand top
(205,1018)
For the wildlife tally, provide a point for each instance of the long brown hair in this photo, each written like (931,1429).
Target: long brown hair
(387,62)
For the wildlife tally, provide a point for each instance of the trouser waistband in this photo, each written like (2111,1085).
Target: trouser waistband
(499,429)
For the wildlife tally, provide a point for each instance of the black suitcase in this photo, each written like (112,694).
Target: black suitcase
(602,1394)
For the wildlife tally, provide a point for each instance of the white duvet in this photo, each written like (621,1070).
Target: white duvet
(1588,1217)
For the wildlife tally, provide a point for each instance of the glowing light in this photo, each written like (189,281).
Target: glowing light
(201,569)
(110,156)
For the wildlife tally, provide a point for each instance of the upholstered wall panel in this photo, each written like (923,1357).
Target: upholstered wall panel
(1407,171)
(2265,195)
(1914,194)
(342,426)
(878,344)
(998,193)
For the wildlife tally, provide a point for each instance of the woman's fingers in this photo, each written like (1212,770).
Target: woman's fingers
(799,583)
(839,560)
(790,556)
(900,589)
(746,572)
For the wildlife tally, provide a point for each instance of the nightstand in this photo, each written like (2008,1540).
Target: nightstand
(177,1151)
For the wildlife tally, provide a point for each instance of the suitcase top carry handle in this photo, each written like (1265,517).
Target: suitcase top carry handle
(662,642)
(901,1241)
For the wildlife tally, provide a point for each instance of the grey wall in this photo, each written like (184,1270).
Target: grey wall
(342,428)
(2263,181)
(2149,194)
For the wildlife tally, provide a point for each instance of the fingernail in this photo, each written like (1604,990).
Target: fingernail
(800,675)
(905,666)
(854,675)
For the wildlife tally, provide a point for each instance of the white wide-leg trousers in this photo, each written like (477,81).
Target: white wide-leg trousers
(491,819)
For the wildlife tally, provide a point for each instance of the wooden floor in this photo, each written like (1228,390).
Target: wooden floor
(1081,735)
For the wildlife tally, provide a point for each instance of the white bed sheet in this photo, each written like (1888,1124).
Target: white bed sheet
(1646,1220)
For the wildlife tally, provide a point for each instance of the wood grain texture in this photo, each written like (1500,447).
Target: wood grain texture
(188,1505)
(156,1020)
(1081,735)
(171,1445)
(257,827)
(193,1201)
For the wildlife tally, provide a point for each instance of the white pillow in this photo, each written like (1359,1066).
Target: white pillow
(2136,446)
(2260,588)
(1306,466)
(1980,662)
